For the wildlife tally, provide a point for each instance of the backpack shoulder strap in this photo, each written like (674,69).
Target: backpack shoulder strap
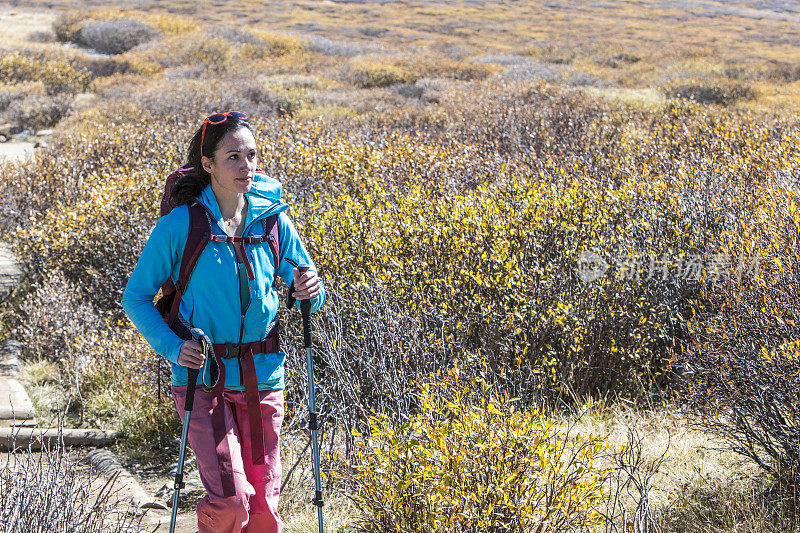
(272,233)
(196,240)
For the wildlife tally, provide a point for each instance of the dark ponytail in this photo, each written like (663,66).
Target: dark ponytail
(191,184)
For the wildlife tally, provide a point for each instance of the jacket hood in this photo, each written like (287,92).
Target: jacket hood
(264,198)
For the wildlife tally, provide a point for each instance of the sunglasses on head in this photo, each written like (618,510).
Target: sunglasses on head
(217,118)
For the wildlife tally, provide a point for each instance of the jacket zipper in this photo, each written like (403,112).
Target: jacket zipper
(236,265)
(242,311)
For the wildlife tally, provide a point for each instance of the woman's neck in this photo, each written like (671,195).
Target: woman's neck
(231,205)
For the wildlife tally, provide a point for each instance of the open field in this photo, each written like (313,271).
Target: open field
(612,45)
(758,30)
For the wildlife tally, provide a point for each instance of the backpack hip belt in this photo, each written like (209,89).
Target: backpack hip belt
(269,344)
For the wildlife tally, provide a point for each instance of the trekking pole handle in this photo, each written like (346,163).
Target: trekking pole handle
(198,336)
(305,305)
(193,374)
(305,310)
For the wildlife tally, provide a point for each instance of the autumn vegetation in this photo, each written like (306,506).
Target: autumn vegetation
(521,238)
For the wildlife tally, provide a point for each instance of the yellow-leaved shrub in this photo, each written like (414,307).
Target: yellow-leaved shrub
(474,462)
(373,73)
(742,370)
(57,74)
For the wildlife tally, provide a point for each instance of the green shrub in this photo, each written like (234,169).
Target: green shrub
(477,213)
(559,55)
(171,25)
(105,374)
(17,92)
(37,112)
(742,372)
(215,53)
(15,67)
(98,249)
(116,36)
(461,255)
(57,74)
(103,67)
(67,27)
(710,92)
(53,320)
(619,59)
(462,467)
(368,74)
(272,45)
(42,36)
(444,67)
(783,72)
(149,425)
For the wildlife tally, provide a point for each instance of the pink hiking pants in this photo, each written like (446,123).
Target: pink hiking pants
(254,508)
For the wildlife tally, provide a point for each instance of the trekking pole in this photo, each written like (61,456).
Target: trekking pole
(305,310)
(199,336)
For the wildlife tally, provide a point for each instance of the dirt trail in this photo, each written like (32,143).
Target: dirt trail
(16,151)
(19,23)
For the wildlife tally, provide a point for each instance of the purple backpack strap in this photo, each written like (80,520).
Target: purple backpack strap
(196,240)
(272,233)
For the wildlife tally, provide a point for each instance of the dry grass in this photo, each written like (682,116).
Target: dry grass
(19,24)
(611,47)
(721,26)
(691,455)
(338,514)
(699,485)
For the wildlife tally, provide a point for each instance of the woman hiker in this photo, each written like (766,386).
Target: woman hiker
(231,296)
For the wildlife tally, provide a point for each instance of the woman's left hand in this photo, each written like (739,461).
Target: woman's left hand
(306,286)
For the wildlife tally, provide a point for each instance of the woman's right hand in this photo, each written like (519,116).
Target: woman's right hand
(191,355)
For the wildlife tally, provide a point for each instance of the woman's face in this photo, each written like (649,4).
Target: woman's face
(234,163)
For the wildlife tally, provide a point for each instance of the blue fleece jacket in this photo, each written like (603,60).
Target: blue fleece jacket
(211,301)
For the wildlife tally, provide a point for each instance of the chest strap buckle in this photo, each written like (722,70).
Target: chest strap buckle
(233,351)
